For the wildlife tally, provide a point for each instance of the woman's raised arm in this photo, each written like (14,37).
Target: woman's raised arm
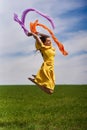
(37,38)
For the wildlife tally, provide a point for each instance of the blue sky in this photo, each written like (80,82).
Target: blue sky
(18,59)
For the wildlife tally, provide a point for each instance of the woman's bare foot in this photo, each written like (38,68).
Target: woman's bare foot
(33,75)
(47,90)
(31,80)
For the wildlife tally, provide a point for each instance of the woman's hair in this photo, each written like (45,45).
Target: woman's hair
(43,38)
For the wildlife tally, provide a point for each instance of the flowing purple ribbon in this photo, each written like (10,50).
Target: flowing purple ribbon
(22,21)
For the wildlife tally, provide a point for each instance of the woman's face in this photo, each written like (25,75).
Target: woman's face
(47,42)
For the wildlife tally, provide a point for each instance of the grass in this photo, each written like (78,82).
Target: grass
(24,107)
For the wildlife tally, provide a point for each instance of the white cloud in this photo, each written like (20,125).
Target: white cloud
(72,70)
(77,42)
(18,69)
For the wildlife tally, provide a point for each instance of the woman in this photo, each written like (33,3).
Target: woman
(45,77)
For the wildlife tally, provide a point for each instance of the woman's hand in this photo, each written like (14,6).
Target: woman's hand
(29,34)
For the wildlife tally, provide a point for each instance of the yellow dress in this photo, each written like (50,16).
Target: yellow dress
(45,76)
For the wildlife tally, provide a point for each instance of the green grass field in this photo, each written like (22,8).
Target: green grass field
(26,107)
